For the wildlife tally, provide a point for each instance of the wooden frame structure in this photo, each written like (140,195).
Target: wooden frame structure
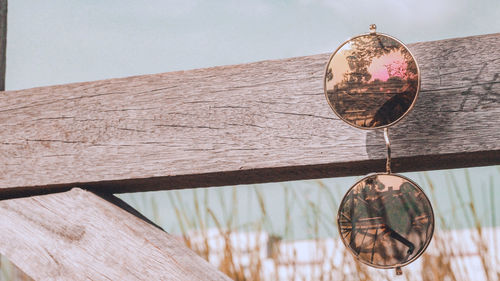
(251,123)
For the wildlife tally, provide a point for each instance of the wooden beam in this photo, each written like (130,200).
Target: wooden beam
(259,122)
(77,235)
(3,42)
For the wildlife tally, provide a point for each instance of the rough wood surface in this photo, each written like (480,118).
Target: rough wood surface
(3,42)
(258,122)
(77,235)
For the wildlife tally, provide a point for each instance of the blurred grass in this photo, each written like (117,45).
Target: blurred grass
(295,211)
(305,211)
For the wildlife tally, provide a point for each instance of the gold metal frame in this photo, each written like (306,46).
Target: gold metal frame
(371,34)
(396,265)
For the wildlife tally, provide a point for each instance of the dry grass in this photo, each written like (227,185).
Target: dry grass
(218,229)
(448,257)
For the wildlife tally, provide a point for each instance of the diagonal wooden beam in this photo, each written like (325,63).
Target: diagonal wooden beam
(77,235)
(259,122)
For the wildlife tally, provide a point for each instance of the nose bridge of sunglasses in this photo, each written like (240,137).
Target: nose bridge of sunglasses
(388,147)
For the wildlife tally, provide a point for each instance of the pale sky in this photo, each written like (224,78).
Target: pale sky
(62,41)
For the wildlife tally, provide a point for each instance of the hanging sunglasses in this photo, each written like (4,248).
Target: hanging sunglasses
(371,82)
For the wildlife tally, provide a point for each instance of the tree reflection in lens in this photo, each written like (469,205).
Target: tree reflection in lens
(371,81)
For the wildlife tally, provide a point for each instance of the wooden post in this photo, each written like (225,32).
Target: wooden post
(259,122)
(3,42)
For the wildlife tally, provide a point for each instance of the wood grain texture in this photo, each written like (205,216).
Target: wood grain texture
(3,42)
(259,122)
(77,235)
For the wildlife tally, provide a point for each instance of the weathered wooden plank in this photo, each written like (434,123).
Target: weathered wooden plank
(258,122)
(3,42)
(77,235)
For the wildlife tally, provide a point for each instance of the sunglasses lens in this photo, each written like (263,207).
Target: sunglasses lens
(371,81)
(386,220)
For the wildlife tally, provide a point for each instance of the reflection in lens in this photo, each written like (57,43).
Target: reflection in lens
(371,81)
(386,220)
